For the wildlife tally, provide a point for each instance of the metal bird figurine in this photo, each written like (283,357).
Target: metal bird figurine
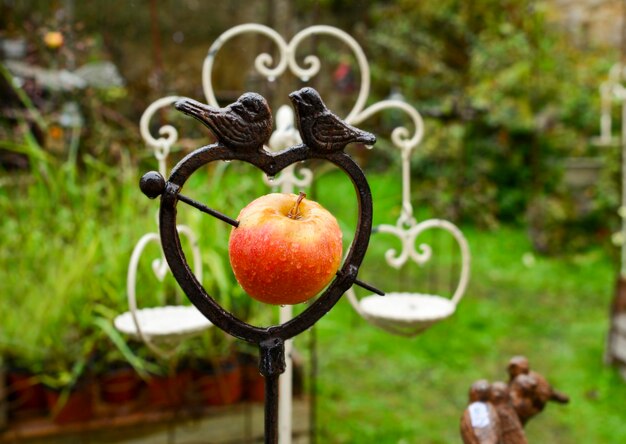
(523,392)
(540,394)
(480,423)
(243,125)
(320,129)
(515,403)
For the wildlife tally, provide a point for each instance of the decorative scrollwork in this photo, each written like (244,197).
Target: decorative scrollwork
(407,239)
(160,269)
(421,255)
(400,136)
(168,133)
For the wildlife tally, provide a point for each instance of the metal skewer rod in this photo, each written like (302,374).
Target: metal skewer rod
(200,206)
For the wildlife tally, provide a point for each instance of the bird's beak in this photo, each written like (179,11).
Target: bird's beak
(190,107)
(295,97)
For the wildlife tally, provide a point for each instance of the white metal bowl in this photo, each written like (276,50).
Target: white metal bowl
(171,321)
(407,314)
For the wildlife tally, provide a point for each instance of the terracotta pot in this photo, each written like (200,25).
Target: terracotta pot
(254,385)
(221,384)
(27,397)
(78,406)
(120,385)
(253,381)
(168,391)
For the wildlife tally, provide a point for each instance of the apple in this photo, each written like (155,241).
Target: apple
(286,248)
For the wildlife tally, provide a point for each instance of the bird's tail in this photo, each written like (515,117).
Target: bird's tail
(559,397)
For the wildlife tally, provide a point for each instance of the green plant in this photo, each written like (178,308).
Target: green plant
(58,257)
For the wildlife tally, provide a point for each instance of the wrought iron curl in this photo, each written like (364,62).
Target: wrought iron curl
(408,238)
(169,135)
(262,63)
(160,268)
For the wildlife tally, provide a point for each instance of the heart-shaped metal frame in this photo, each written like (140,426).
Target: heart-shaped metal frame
(271,164)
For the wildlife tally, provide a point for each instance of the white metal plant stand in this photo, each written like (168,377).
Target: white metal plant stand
(383,311)
(168,324)
(613,92)
(286,134)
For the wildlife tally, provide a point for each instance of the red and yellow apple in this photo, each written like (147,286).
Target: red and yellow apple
(286,248)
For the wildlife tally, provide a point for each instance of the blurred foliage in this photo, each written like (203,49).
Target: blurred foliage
(506,95)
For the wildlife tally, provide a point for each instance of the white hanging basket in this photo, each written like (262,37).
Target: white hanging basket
(409,314)
(168,322)
(406,314)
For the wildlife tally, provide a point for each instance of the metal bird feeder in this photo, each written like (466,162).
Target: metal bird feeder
(169,324)
(270,340)
(410,313)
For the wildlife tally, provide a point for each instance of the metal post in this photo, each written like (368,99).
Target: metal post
(271,365)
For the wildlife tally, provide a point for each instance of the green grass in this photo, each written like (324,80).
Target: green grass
(66,242)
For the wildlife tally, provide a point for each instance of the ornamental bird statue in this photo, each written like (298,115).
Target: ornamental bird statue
(480,423)
(539,394)
(523,391)
(245,124)
(320,129)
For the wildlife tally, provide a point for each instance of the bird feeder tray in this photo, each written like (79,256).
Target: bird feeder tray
(247,146)
(163,323)
(407,307)
(406,313)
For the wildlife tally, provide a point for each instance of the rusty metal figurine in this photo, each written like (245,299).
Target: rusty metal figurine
(244,124)
(525,395)
(511,428)
(319,128)
(530,390)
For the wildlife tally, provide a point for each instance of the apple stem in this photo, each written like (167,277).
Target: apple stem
(294,213)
